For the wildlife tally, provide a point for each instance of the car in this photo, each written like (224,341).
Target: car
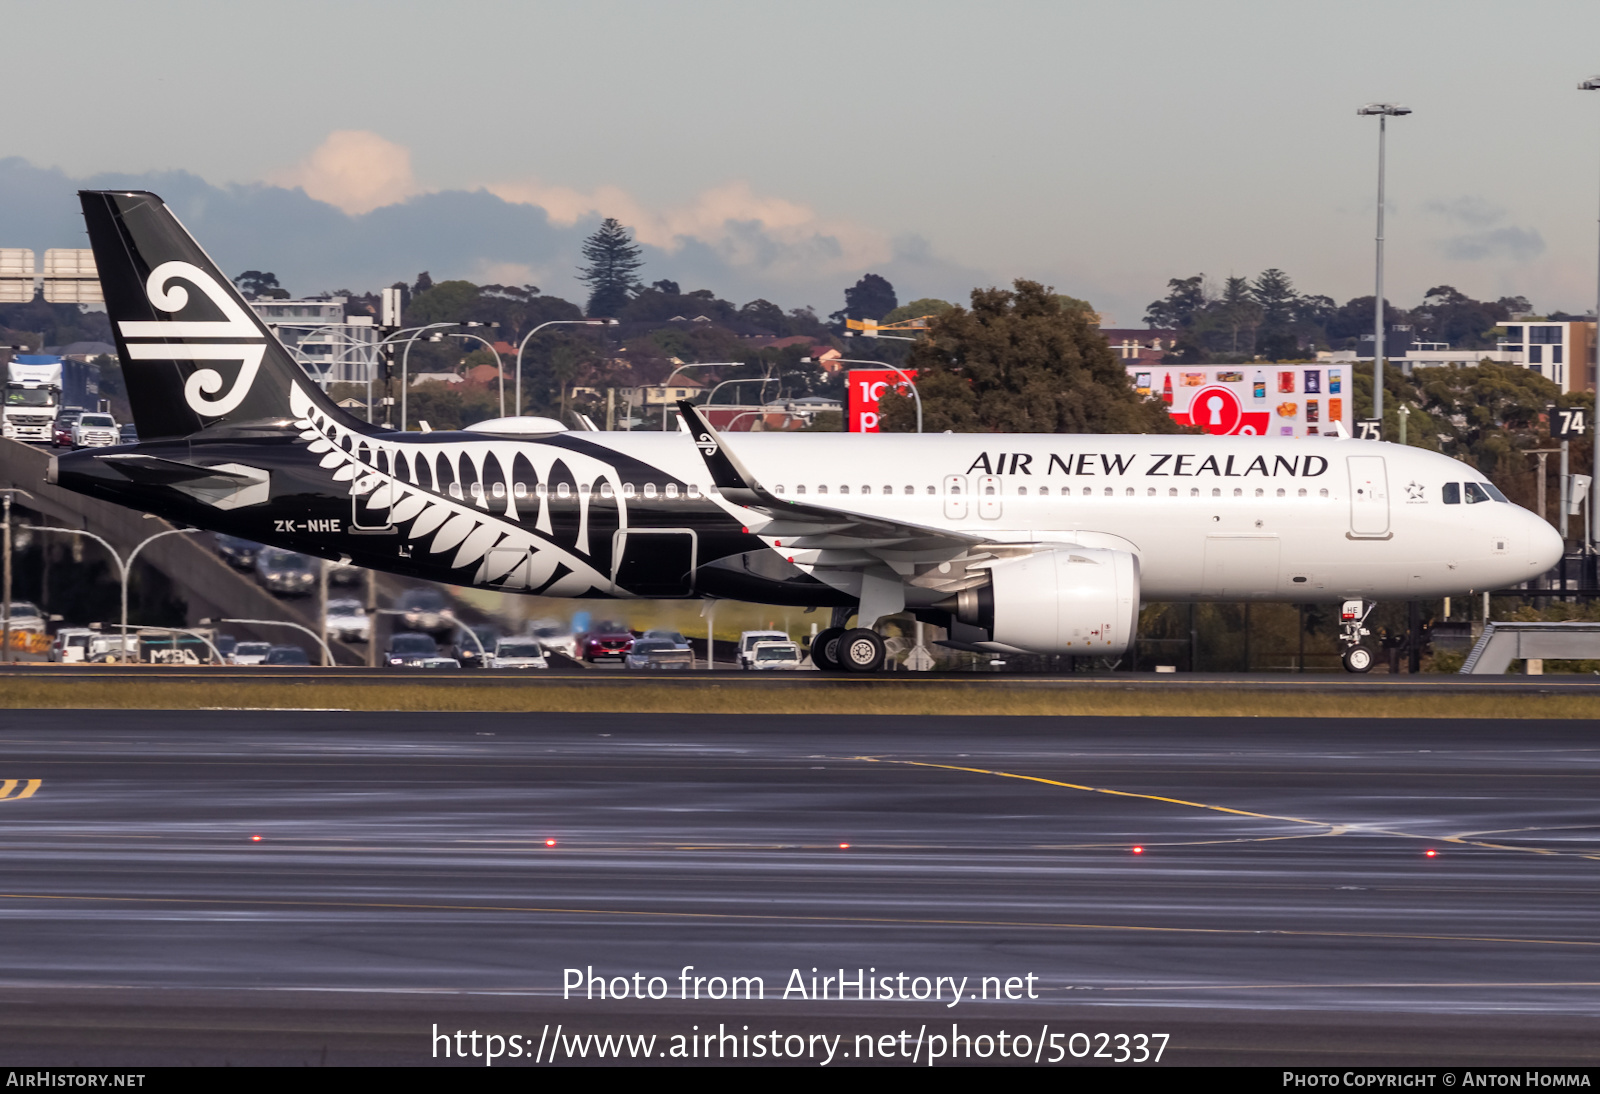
(66,418)
(407,649)
(765,656)
(113,649)
(344,573)
(675,637)
(71,645)
(748,639)
(518,653)
(127,433)
(554,637)
(95,431)
(607,642)
(25,616)
(425,609)
(238,553)
(347,620)
(659,653)
(250,653)
(225,643)
(468,651)
(285,572)
(437,662)
(288,656)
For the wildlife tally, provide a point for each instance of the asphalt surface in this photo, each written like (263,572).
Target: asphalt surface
(1283,910)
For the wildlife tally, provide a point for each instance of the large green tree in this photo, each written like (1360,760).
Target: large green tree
(1019,361)
(613,260)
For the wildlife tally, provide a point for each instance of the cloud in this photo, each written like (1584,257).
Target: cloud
(355,171)
(742,227)
(1473,211)
(1517,244)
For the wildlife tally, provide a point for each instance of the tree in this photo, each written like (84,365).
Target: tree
(1274,293)
(1185,297)
(1020,362)
(613,260)
(870,298)
(260,286)
(928,305)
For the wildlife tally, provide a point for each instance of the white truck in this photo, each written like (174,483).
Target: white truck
(33,398)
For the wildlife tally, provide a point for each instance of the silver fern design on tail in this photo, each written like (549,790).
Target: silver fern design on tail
(236,325)
(403,481)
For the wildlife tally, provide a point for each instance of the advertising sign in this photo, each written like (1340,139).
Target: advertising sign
(1259,400)
(866,390)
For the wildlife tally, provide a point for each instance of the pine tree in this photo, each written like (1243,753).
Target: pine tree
(613,261)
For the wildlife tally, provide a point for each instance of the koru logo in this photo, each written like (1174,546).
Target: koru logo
(706,444)
(246,345)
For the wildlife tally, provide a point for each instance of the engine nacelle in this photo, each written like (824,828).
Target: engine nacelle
(1076,600)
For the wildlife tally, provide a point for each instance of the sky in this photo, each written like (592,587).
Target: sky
(783,150)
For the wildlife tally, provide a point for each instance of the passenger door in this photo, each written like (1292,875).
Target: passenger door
(1369,496)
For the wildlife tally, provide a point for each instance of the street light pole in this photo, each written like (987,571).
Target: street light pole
(1384,112)
(879,364)
(1593,84)
(124,567)
(524,345)
(5,594)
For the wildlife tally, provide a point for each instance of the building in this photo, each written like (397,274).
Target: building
(333,347)
(682,387)
(1135,345)
(1561,352)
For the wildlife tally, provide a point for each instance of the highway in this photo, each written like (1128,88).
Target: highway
(1283,909)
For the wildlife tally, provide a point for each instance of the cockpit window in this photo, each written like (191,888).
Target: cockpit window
(1476,493)
(1452,493)
(1494,492)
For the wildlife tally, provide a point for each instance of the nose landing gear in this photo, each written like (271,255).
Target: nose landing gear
(1352,629)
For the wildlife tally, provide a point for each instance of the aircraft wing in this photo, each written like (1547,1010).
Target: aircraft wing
(835,539)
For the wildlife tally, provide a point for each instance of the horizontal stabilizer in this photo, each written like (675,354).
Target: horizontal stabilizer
(158,471)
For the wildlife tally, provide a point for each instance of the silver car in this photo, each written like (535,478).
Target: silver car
(95,431)
(518,653)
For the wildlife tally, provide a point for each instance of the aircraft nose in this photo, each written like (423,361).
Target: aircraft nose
(1545,547)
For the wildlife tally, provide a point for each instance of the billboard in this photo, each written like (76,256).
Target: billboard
(866,390)
(1258,400)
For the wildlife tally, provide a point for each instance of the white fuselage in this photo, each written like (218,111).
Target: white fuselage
(1220,518)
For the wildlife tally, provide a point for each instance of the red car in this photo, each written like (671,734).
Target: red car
(608,641)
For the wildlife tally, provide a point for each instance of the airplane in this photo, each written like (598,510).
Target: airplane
(1010,542)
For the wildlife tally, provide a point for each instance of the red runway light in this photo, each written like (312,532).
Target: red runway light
(549,843)
(255,839)
(1138,850)
(844,847)
(1432,853)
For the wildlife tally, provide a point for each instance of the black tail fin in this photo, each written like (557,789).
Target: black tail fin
(194,354)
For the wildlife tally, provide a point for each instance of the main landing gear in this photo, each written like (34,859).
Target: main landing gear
(841,649)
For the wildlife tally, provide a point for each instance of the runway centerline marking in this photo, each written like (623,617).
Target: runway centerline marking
(753,917)
(8,785)
(1333,829)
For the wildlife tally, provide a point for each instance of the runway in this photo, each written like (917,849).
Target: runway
(1283,908)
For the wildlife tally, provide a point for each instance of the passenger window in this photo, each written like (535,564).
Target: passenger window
(694,490)
(779,488)
(1108,491)
(890,490)
(563,490)
(649,489)
(1216,491)
(1194,491)
(988,490)
(1302,491)
(499,489)
(605,490)
(1476,493)
(1087,491)
(1022,491)
(672,490)
(866,489)
(520,490)
(799,490)
(1043,491)
(955,489)
(933,490)
(1260,493)
(541,489)
(584,489)
(455,490)
(1281,492)
(844,489)
(820,490)
(1151,492)
(1323,492)
(627,489)
(909,490)
(1237,492)
(477,489)
(1172,491)
(1128,492)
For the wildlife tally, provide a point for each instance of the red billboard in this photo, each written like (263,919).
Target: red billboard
(866,390)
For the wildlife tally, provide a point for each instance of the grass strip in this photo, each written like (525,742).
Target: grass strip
(935,698)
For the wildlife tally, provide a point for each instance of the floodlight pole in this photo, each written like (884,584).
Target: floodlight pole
(1384,111)
(1593,84)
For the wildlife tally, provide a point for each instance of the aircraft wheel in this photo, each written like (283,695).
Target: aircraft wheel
(824,649)
(860,650)
(1357,659)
